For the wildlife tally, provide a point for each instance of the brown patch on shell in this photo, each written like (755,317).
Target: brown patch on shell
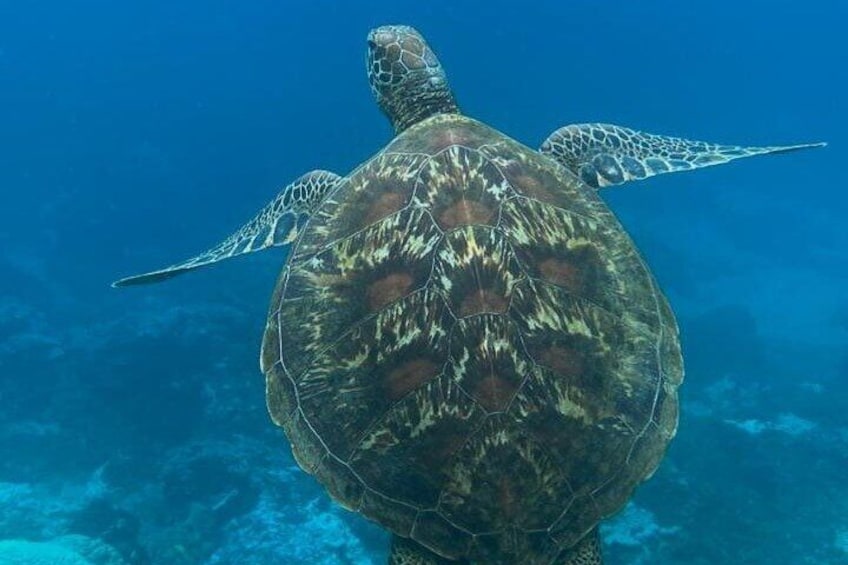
(388,289)
(408,376)
(507,499)
(563,273)
(387,204)
(483,300)
(546,182)
(440,452)
(528,183)
(566,361)
(531,185)
(440,133)
(465,213)
(494,393)
(449,137)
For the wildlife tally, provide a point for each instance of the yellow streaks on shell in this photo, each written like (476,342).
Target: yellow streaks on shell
(549,316)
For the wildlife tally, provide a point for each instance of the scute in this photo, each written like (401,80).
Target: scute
(351,280)
(473,353)
(488,360)
(408,452)
(379,188)
(351,385)
(504,479)
(462,187)
(468,256)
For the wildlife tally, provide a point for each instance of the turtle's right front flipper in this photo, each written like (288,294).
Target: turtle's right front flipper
(275,225)
(606,155)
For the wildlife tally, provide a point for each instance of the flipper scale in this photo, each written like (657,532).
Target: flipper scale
(275,225)
(606,155)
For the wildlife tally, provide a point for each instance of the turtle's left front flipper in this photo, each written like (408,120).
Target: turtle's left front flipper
(276,224)
(606,155)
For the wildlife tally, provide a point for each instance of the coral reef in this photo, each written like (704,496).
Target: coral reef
(64,550)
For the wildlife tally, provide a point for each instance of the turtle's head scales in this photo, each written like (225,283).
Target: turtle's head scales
(406,77)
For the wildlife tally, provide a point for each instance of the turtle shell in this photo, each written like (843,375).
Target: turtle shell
(466,347)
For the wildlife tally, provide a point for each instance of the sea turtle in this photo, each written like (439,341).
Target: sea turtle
(464,344)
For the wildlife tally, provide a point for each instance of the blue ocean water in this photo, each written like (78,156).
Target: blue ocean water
(133,426)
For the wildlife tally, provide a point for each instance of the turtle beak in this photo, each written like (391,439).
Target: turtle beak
(372,38)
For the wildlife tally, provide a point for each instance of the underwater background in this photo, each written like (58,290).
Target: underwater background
(133,427)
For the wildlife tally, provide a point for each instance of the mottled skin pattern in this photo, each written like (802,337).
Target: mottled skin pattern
(466,347)
(405,76)
(606,155)
(276,224)
(406,552)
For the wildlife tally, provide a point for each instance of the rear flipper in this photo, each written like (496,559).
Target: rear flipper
(606,155)
(275,225)
(408,552)
(586,552)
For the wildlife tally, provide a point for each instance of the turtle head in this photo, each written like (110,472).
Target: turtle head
(406,77)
